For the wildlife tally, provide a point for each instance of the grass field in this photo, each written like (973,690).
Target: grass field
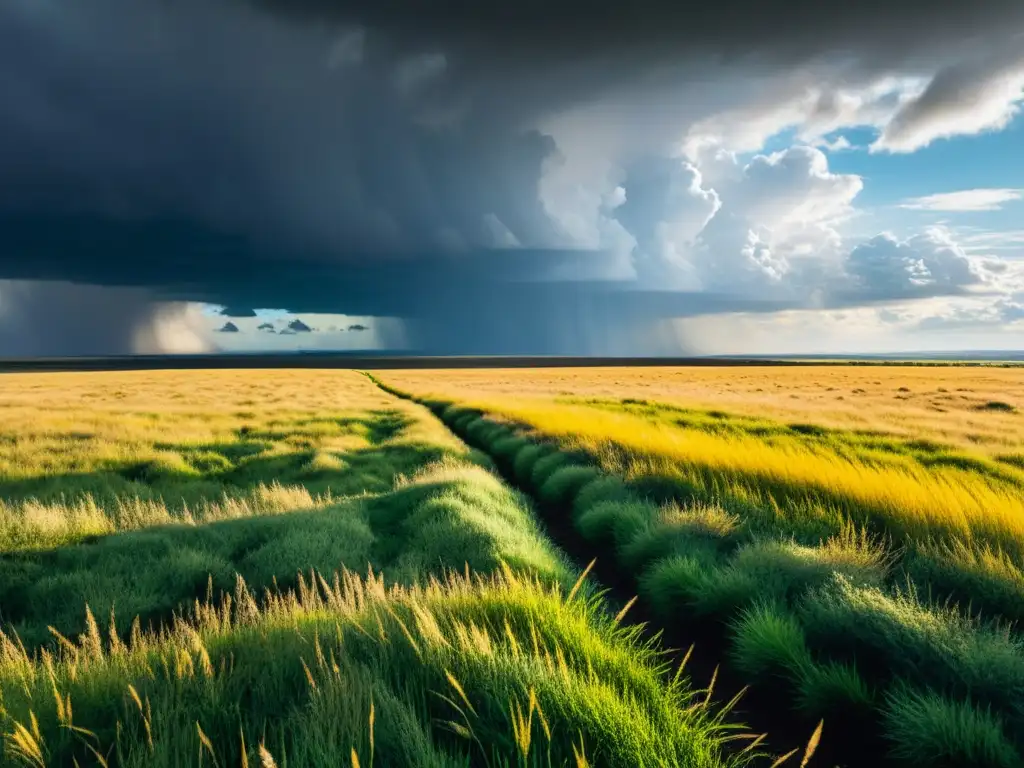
(866,561)
(970,407)
(299,569)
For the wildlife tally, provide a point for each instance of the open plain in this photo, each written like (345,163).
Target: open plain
(850,538)
(280,567)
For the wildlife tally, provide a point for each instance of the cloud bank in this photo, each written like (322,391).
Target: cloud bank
(524,178)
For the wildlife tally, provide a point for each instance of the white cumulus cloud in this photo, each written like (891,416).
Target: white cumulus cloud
(964,200)
(885,266)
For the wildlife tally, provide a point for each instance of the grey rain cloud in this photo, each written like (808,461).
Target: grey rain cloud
(62,319)
(376,159)
(228,327)
(299,327)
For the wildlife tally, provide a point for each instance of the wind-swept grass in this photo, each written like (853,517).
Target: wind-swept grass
(959,517)
(816,600)
(941,404)
(177,587)
(484,671)
(90,454)
(894,494)
(447,515)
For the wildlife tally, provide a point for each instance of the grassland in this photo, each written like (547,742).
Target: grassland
(866,563)
(966,407)
(298,569)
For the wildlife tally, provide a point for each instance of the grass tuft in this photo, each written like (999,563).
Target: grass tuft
(928,729)
(563,485)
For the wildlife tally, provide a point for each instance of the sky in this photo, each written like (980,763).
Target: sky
(736,177)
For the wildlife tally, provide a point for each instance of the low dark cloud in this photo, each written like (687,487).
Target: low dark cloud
(265,327)
(299,327)
(228,327)
(358,327)
(570,30)
(62,319)
(382,158)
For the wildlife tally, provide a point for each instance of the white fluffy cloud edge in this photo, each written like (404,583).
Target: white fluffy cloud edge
(774,227)
(720,214)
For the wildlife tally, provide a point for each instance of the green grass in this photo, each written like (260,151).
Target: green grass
(185,587)
(931,730)
(927,645)
(843,622)
(678,530)
(445,516)
(562,486)
(455,672)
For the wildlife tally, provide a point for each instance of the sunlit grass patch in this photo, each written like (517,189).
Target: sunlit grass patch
(35,525)
(979,579)
(941,404)
(446,515)
(477,670)
(735,528)
(899,495)
(90,455)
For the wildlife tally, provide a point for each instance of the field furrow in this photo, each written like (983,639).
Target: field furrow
(866,579)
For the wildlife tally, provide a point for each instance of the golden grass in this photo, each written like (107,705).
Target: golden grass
(33,524)
(915,500)
(940,403)
(800,476)
(69,443)
(52,423)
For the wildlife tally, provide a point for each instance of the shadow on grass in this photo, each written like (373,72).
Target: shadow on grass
(376,427)
(189,473)
(151,572)
(449,521)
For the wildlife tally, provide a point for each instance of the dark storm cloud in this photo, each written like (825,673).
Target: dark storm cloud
(228,327)
(238,312)
(359,156)
(299,327)
(141,110)
(566,30)
(58,318)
